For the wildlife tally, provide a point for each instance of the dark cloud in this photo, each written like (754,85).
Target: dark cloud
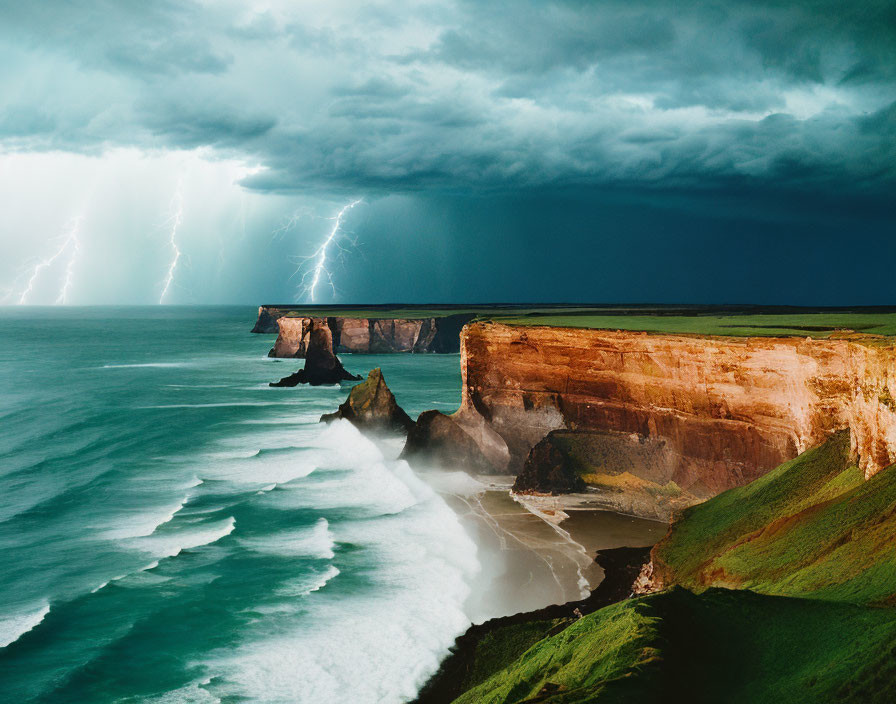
(461,95)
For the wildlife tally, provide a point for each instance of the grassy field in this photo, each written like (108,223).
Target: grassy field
(812,527)
(718,646)
(818,325)
(704,320)
(780,591)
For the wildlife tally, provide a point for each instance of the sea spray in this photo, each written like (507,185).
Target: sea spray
(169,514)
(371,641)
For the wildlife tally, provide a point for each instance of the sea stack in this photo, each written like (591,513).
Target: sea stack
(322,366)
(371,406)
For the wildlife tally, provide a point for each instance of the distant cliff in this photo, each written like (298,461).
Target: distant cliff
(368,335)
(682,414)
(267,319)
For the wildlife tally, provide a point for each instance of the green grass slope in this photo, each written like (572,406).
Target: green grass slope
(718,646)
(812,527)
(779,591)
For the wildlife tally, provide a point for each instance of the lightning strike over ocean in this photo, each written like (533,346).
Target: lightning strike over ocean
(69,244)
(174,222)
(319,257)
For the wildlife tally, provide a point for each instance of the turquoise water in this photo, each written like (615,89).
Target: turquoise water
(171,529)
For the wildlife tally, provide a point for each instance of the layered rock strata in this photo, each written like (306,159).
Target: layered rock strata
(322,366)
(716,412)
(370,335)
(372,406)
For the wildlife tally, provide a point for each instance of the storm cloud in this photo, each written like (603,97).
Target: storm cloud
(469,95)
(669,129)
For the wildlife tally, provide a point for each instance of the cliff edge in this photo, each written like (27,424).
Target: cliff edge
(698,415)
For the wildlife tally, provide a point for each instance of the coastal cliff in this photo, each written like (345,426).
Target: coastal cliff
(712,412)
(369,335)
(266,323)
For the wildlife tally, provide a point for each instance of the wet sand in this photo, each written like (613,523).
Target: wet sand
(537,553)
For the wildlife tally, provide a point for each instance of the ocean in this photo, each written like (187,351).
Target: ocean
(174,530)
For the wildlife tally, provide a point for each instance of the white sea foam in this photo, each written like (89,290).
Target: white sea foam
(162,365)
(15,626)
(382,642)
(373,488)
(264,469)
(151,566)
(193,693)
(144,523)
(304,587)
(173,542)
(457,483)
(315,541)
(223,404)
(299,421)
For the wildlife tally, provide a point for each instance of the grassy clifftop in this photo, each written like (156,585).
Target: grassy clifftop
(807,559)
(812,527)
(748,321)
(718,646)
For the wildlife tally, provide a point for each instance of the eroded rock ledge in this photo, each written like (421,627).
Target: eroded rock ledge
(372,406)
(365,335)
(699,414)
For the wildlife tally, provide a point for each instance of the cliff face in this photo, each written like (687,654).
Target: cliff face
(292,338)
(725,410)
(267,319)
(370,335)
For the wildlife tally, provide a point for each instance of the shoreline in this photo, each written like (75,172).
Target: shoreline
(556,543)
(540,559)
(621,567)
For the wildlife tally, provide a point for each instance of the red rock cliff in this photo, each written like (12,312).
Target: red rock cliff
(728,409)
(362,335)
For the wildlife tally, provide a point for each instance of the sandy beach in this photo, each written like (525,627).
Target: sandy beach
(537,551)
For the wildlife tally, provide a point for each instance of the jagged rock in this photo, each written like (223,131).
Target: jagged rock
(322,366)
(292,340)
(549,469)
(623,472)
(267,319)
(371,405)
(440,439)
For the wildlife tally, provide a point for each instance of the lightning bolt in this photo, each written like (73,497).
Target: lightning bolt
(177,207)
(70,266)
(318,259)
(69,243)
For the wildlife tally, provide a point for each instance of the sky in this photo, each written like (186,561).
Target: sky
(184,152)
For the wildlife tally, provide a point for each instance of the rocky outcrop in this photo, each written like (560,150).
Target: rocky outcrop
(267,319)
(371,405)
(626,472)
(322,366)
(292,340)
(552,467)
(370,335)
(440,440)
(723,410)
(383,335)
